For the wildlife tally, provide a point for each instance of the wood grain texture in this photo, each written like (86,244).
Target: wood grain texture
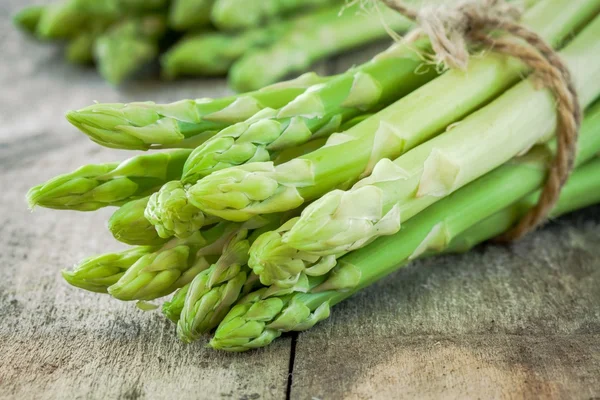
(500,322)
(521,321)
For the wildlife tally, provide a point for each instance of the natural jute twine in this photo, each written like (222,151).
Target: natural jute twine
(471,22)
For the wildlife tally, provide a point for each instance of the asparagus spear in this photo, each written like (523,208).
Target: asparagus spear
(303,44)
(231,15)
(258,319)
(129,225)
(98,273)
(523,116)
(125,48)
(263,136)
(189,14)
(113,184)
(28,18)
(278,262)
(213,53)
(212,292)
(318,112)
(174,265)
(69,18)
(171,214)
(240,192)
(141,126)
(172,308)
(80,49)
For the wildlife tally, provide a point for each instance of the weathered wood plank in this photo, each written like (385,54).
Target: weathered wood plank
(57,341)
(499,322)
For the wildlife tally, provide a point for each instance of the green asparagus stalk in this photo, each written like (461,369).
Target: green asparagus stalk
(98,273)
(28,18)
(279,263)
(213,291)
(113,184)
(230,15)
(190,14)
(303,44)
(129,225)
(169,211)
(213,53)
(344,221)
(258,319)
(141,126)
(173,266)
(142,5)
(314,114)
(69,18)
(80,49)
(240,192)
(172,308)
(125,48)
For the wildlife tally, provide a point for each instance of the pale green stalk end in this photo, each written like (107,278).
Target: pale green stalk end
(171,213)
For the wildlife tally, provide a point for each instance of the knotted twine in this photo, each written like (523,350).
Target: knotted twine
(471,22)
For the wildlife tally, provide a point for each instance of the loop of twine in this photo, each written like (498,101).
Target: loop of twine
(450,29)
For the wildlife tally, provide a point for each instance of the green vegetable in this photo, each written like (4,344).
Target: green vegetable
(171,213)
(161,272)
(231,15)
(189,14)
(213,53)
(98,273)
(311,38)
(241,192)
(343,221)
(316,113)
(113,184)
(213,291)
(80,49)
(129,225)
(172,309)
(28,18)
(453,224)
(186,123)
(128,46)
(69,18)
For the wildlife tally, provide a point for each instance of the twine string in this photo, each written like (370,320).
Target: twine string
(452,30)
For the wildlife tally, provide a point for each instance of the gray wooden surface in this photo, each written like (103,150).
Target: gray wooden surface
(500,322)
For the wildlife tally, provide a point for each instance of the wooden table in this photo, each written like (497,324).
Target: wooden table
(521,321)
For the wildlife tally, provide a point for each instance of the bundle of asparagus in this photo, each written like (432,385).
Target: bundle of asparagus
(261,42)
(280,203)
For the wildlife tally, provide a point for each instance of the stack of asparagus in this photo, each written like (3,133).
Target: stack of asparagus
(260,41)
(282,202)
